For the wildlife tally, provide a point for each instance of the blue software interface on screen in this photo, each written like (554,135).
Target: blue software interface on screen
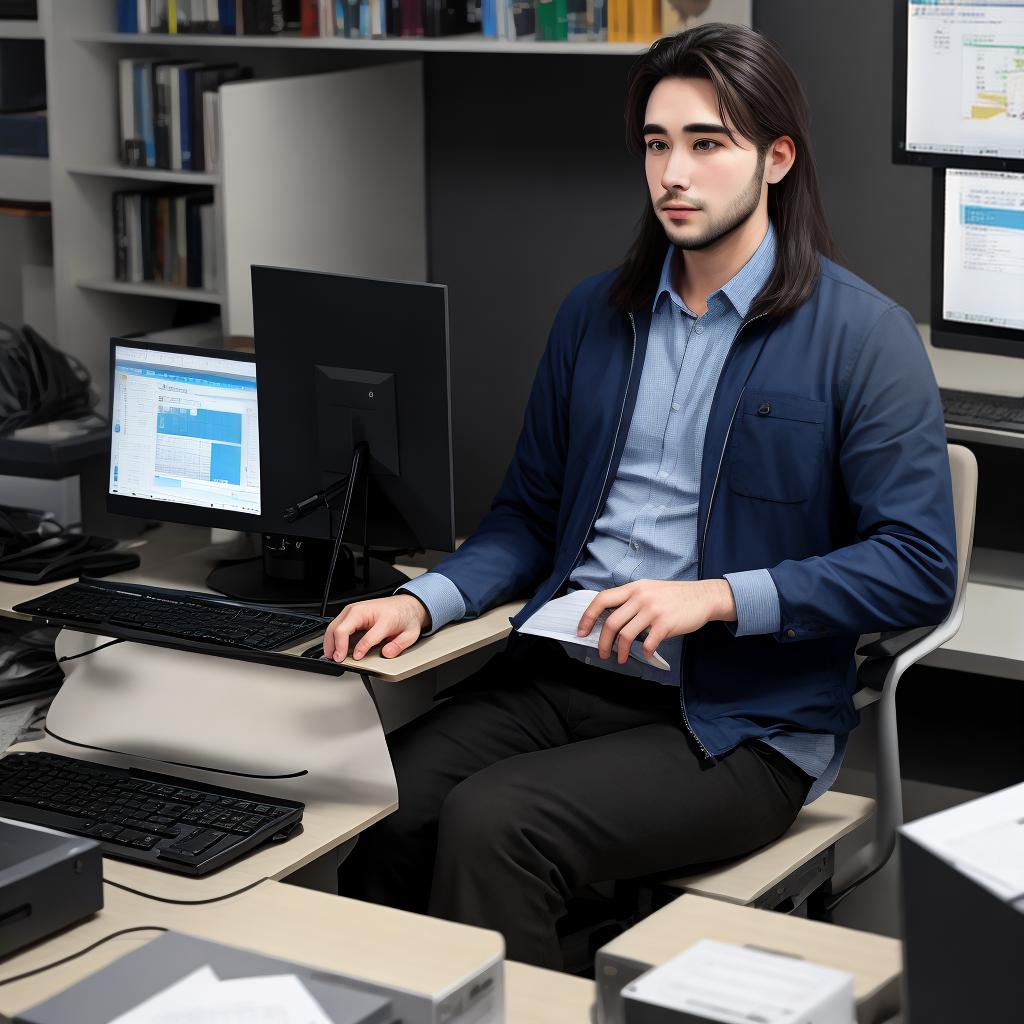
(185,430)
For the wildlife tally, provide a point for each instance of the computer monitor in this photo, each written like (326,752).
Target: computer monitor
(185,440)
(978,261)
(346,363)
(958,89)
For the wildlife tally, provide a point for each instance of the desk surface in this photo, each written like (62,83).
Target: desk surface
(182,557)
(378,943)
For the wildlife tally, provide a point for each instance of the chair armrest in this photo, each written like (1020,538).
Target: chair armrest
(888,645)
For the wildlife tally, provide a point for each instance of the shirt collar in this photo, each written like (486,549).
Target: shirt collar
(741,289)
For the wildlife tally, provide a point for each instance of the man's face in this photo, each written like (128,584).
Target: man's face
(703,186)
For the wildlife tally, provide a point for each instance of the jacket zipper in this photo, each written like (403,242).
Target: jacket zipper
(700,554)
(721,454)
(615,441)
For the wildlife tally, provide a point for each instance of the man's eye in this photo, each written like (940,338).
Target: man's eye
(703,142)
(657,146)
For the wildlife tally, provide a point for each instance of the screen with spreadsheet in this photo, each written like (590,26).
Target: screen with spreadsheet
(963,79)
(185,429)
(983,249)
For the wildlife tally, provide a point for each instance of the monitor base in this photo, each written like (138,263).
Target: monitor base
(248,581)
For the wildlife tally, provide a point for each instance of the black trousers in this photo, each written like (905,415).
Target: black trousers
(542,775)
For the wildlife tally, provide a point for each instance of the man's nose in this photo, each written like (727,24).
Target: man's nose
(677,171)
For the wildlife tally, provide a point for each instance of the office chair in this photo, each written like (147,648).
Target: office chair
(800,865)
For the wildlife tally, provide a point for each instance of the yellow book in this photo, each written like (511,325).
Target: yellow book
(172,16)
(619,21)
(646,20)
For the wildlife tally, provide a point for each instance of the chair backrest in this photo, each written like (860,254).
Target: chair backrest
(963,468)
(916,644)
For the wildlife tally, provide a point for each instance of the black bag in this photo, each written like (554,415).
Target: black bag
(37,383)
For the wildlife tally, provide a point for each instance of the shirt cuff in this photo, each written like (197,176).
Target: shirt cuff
(757,602)
(442,599)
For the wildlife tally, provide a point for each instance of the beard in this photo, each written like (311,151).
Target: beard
(736,215)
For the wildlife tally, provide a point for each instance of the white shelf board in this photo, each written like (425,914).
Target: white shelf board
(990,640)
(149,288)
(472,42)
(14,28)
(25,179)
(147,174)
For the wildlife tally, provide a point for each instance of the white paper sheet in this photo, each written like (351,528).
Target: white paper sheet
(984,838)
(201,998)
(559,619)
(717,981)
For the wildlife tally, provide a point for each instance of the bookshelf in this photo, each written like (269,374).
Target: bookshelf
(486,127)
(282,193)
(472,42)
(144,174)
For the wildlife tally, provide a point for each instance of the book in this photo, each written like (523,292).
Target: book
(208,231)
(120,238)
(226,17)
(180,266)
(646,20)
(131,143)
(211,130)
(311,18)
(143,93)
(411,18)
(263,17)
(127,16)
(559,619)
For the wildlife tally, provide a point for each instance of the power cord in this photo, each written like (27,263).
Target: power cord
(92,650)
(82,952)
(186,903)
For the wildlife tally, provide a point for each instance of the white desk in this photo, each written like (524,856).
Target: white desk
(990,641)
(387,946)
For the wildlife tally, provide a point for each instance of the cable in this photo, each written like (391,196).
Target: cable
(186,903)
(92,650)
(82,952)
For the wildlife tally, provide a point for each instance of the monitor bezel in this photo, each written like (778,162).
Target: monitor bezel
(167,511)
(1000,341)
(900,154)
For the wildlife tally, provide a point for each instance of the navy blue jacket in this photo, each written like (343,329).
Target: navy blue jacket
(824,461)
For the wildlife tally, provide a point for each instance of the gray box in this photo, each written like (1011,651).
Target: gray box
(48,881)
(963,945)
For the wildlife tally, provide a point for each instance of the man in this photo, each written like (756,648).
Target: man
(740,446)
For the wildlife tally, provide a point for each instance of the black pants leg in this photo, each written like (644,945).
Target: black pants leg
(535,781)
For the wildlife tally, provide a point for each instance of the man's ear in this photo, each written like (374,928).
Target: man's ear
(779,159)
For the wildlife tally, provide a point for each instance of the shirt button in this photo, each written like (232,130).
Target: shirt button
(634,545)
(699,329)
(791,633)
(675,407)
(662,475)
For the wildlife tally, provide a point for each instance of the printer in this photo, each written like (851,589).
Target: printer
(48,880)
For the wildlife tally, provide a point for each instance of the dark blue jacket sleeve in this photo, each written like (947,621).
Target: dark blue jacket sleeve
(513,548)
(901,572)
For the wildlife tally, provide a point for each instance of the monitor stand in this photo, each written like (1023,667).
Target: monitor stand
(293,570)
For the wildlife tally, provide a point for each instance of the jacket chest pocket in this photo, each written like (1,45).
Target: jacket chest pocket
(775,451)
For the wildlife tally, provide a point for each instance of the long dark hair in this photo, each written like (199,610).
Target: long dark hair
(759,94)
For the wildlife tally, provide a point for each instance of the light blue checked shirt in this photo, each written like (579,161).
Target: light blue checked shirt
(648,527)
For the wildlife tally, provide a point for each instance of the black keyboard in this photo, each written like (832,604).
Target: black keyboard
(973,409)
(156,820)
(126,609)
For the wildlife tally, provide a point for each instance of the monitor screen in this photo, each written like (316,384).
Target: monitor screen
(959,90)
(184,433)
(980,276)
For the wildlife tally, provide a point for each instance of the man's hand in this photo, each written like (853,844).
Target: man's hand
(663,607)
(395,622)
